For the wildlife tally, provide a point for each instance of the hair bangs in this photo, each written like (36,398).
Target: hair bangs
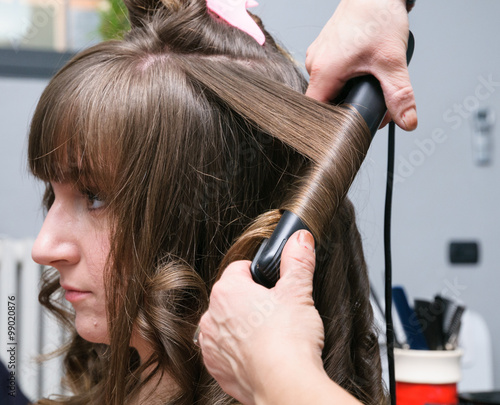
(76,129)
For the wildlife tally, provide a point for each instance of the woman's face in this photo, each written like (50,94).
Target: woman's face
(74,239)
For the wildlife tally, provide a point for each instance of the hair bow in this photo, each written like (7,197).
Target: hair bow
(235,13)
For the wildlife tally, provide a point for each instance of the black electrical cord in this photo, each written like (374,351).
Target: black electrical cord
(388,261)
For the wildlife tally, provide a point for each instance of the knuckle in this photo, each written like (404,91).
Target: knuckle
(402,96)
(305,261)
(404,93)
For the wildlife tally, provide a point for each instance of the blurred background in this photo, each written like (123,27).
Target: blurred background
(59,25)
(446,220)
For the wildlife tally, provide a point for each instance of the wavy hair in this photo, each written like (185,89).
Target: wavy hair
(198,138)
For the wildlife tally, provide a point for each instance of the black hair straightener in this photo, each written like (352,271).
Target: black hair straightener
(365,95)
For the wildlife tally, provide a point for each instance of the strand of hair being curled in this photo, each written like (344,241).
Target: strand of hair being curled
(201,137)
(341,287)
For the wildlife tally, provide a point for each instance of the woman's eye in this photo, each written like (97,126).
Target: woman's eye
(94,202)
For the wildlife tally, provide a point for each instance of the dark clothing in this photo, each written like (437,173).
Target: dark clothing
(10,394)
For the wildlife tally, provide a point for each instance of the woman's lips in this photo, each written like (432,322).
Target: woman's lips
(76,295)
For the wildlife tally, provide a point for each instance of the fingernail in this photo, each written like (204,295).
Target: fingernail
(306,240)
(196,337)
(410,119)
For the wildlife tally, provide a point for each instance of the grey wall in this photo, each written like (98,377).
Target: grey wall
(440,195)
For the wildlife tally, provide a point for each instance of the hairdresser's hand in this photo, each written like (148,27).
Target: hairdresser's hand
(365,37)
(256,340)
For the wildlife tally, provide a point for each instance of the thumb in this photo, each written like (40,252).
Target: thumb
(399,97)
(297,264)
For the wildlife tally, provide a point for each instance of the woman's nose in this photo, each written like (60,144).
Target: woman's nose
(56,243)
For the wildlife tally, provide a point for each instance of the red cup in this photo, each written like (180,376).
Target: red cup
(420,394)
(427,376)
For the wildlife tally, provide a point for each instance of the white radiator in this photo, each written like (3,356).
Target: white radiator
(26,329)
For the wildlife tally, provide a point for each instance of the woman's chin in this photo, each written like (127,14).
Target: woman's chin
(92,330)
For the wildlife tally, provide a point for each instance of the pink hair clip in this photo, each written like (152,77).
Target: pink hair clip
(235,13)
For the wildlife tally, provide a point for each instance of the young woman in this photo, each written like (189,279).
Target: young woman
(166,156)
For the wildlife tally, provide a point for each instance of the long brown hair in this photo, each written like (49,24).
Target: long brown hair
(196,137)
